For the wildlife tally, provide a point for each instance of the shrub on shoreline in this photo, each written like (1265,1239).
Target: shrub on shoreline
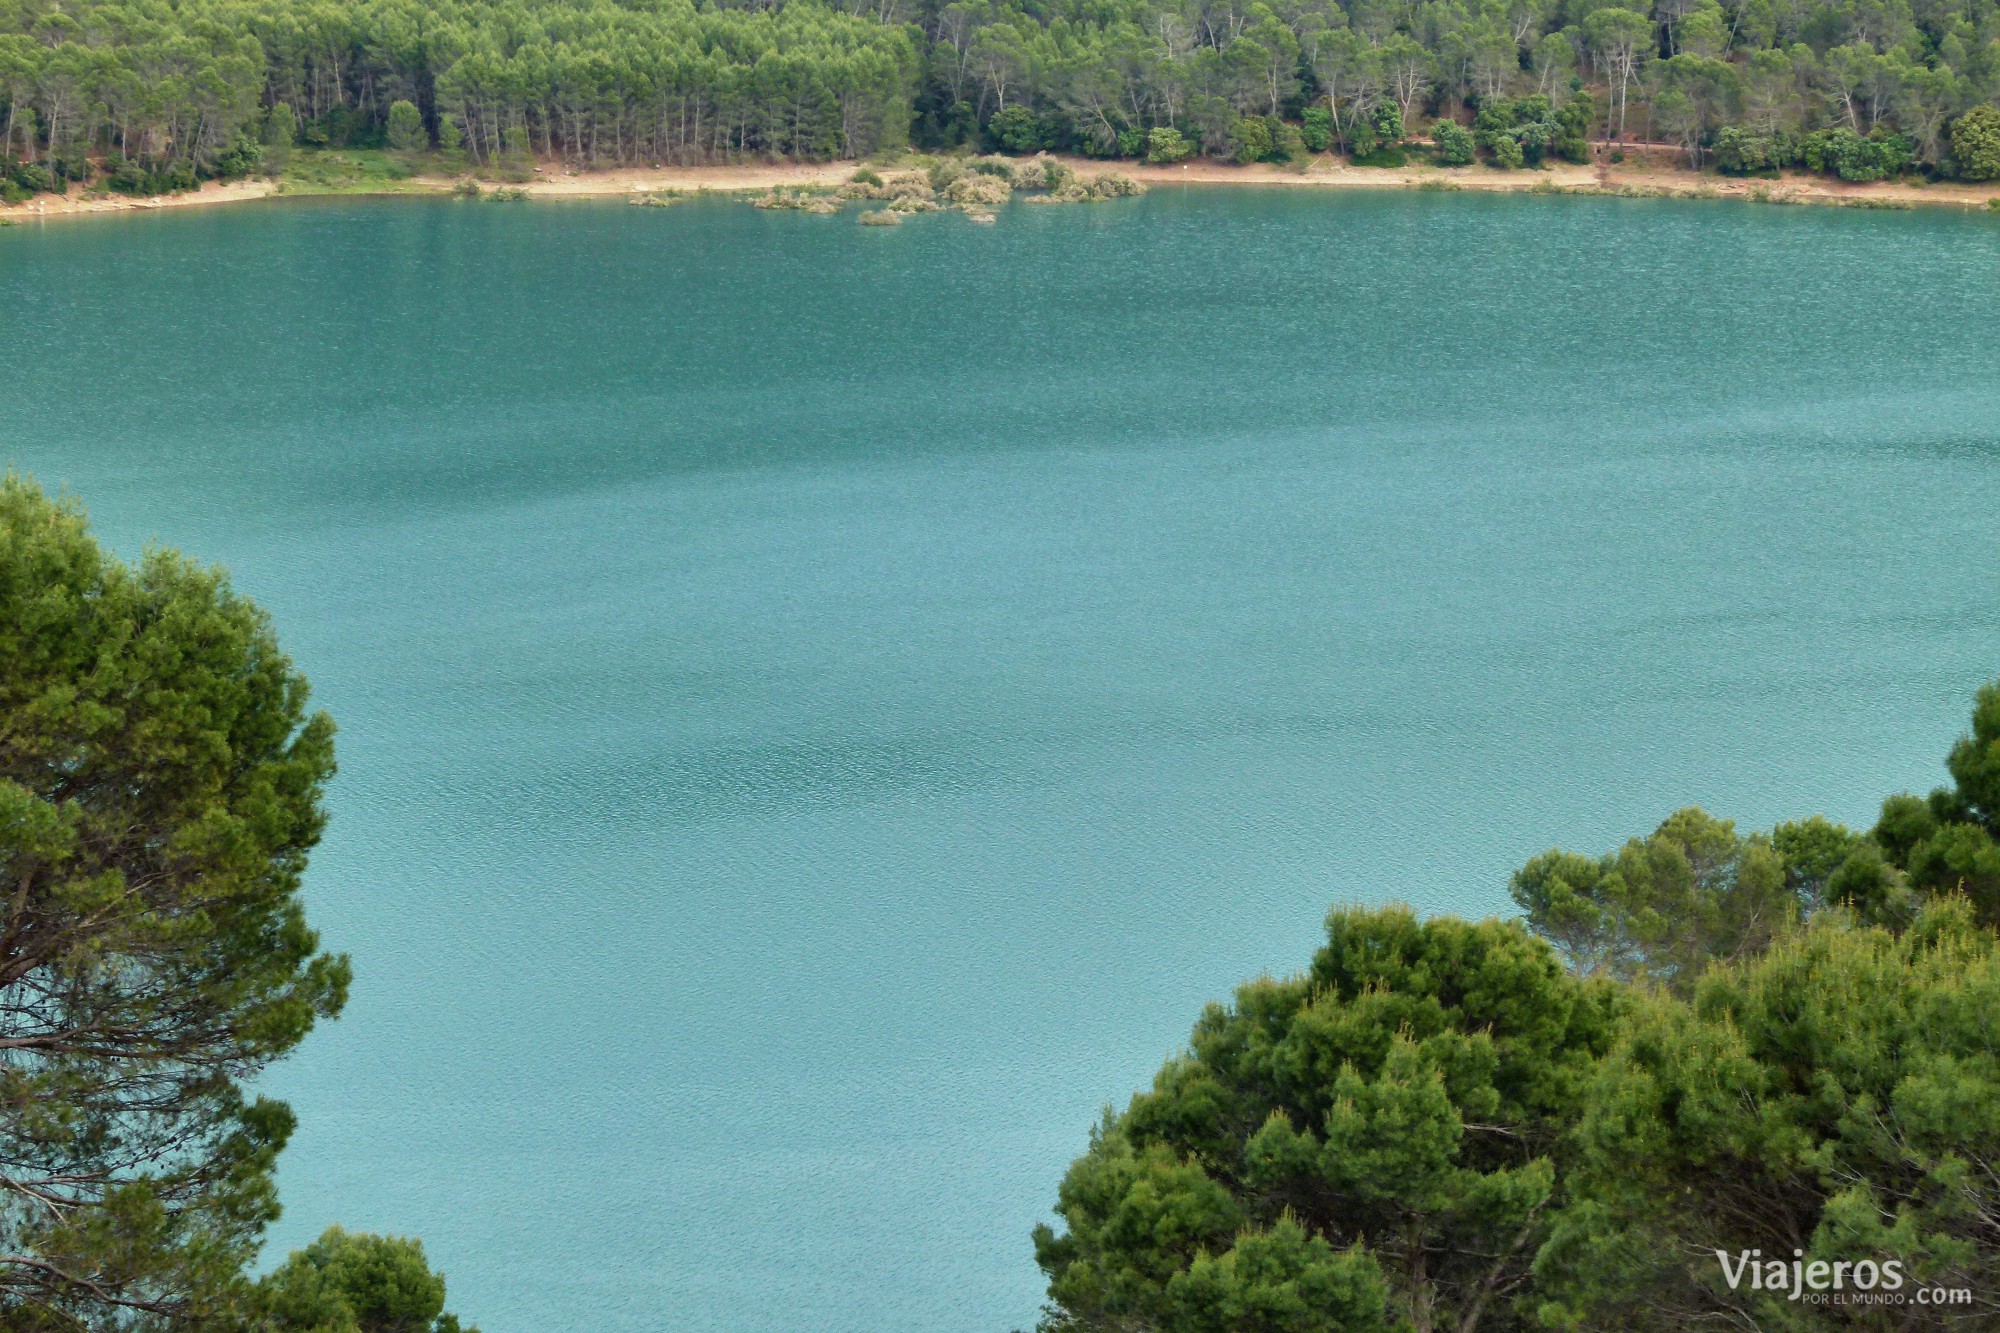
(1101,187)
(797,199)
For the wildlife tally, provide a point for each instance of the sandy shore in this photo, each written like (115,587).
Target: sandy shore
(1635,176)
(211,192)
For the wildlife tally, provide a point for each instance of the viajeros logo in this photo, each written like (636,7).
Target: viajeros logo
(1832,1282)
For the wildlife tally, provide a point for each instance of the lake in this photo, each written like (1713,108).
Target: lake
(822,707)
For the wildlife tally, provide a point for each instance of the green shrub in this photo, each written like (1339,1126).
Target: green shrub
(131,176)
(1287,144)
(406,128)
(1528,121)
(1316,129)
(1888,155)
(1250,139)
(1843,153)
(242,159)
(1265,139)
(1507,153)
(1741,152)
(1534,136)
(1166,144)
(1387,122)
(1975,142)
(1015,129)
(1375,138)
(1572,142)
(125,175)
(1452,144)
(34,178)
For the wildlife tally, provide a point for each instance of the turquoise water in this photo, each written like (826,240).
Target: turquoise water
(823,707)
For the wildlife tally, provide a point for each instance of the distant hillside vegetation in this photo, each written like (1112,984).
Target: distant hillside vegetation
(144,95)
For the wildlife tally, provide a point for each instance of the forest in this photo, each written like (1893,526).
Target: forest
(150,95)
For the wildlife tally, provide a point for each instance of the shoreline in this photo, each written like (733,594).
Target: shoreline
(1631,179)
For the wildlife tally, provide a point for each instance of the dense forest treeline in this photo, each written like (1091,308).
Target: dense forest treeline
(1862,88)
